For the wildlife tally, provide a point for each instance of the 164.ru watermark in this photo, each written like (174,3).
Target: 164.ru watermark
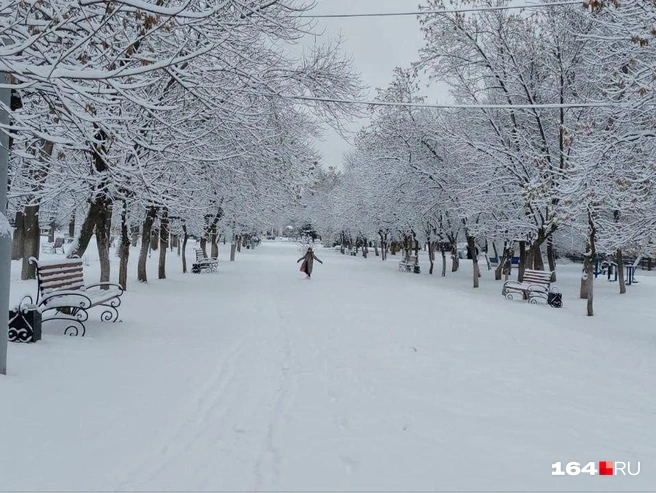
(605,468)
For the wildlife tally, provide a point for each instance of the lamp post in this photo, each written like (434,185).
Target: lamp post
(5,230)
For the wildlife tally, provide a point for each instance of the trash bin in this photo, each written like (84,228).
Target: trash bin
(555,299)
(25,322)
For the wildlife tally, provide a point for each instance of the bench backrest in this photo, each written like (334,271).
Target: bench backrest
(200,255)
(537,277)
(59,275)
(59,242)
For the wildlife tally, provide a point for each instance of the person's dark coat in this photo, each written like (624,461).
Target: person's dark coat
(308,260)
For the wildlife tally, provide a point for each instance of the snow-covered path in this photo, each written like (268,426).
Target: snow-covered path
(362,378)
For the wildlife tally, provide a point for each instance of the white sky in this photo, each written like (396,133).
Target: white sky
(376,45)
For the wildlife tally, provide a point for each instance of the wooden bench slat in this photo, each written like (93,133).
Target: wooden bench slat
(62,276)
(62,286)
(62,281)
(67,287)
(59,268)
(59,263)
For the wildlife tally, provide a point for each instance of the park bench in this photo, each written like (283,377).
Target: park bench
(204,263)
(61,289)
(536,285)
(410,265)
(53,247)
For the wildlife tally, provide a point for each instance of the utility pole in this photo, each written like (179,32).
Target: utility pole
(5,230)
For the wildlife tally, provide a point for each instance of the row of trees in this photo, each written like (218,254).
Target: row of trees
(134,116)
(556,140)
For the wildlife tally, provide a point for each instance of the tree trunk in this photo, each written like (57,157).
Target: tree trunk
(103,229)
(203,245)
(185,238)
(233,245)
(31,241)
(154,239)
(86,231)
(51,232)
(501,261)
(431,255)
(233,249)
(619,259)
(18,242)
(163,243)
(587,277)
(98,217)
(124,248)
(583,292)
(487,256)
(146,233)
(32,230)
(529,256)
(522,261)
(455,259)
(536,250)
(214,245)
(443,261)
(472,248)
(551,257)
(71,226)
(590,267)
(135,236)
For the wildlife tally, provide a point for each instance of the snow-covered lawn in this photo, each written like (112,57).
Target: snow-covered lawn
(363,378)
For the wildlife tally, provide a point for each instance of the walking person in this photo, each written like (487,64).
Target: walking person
(308,259)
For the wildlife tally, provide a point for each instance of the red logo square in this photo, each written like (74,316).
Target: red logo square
(605,468)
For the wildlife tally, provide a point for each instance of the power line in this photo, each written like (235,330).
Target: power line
(445,106)
(450,11)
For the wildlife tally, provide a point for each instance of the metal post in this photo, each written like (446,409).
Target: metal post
(5,232)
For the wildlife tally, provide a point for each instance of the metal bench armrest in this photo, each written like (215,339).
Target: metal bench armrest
(108,284)
(538,287)
(513,284)
(85,301)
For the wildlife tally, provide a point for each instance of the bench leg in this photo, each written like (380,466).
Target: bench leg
(110,314)
(74,317)
(511,294)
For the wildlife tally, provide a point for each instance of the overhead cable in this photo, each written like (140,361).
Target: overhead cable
(445,11)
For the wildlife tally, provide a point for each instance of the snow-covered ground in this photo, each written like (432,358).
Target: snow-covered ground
(363,378)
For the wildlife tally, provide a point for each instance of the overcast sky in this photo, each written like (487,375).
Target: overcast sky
(376,45)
